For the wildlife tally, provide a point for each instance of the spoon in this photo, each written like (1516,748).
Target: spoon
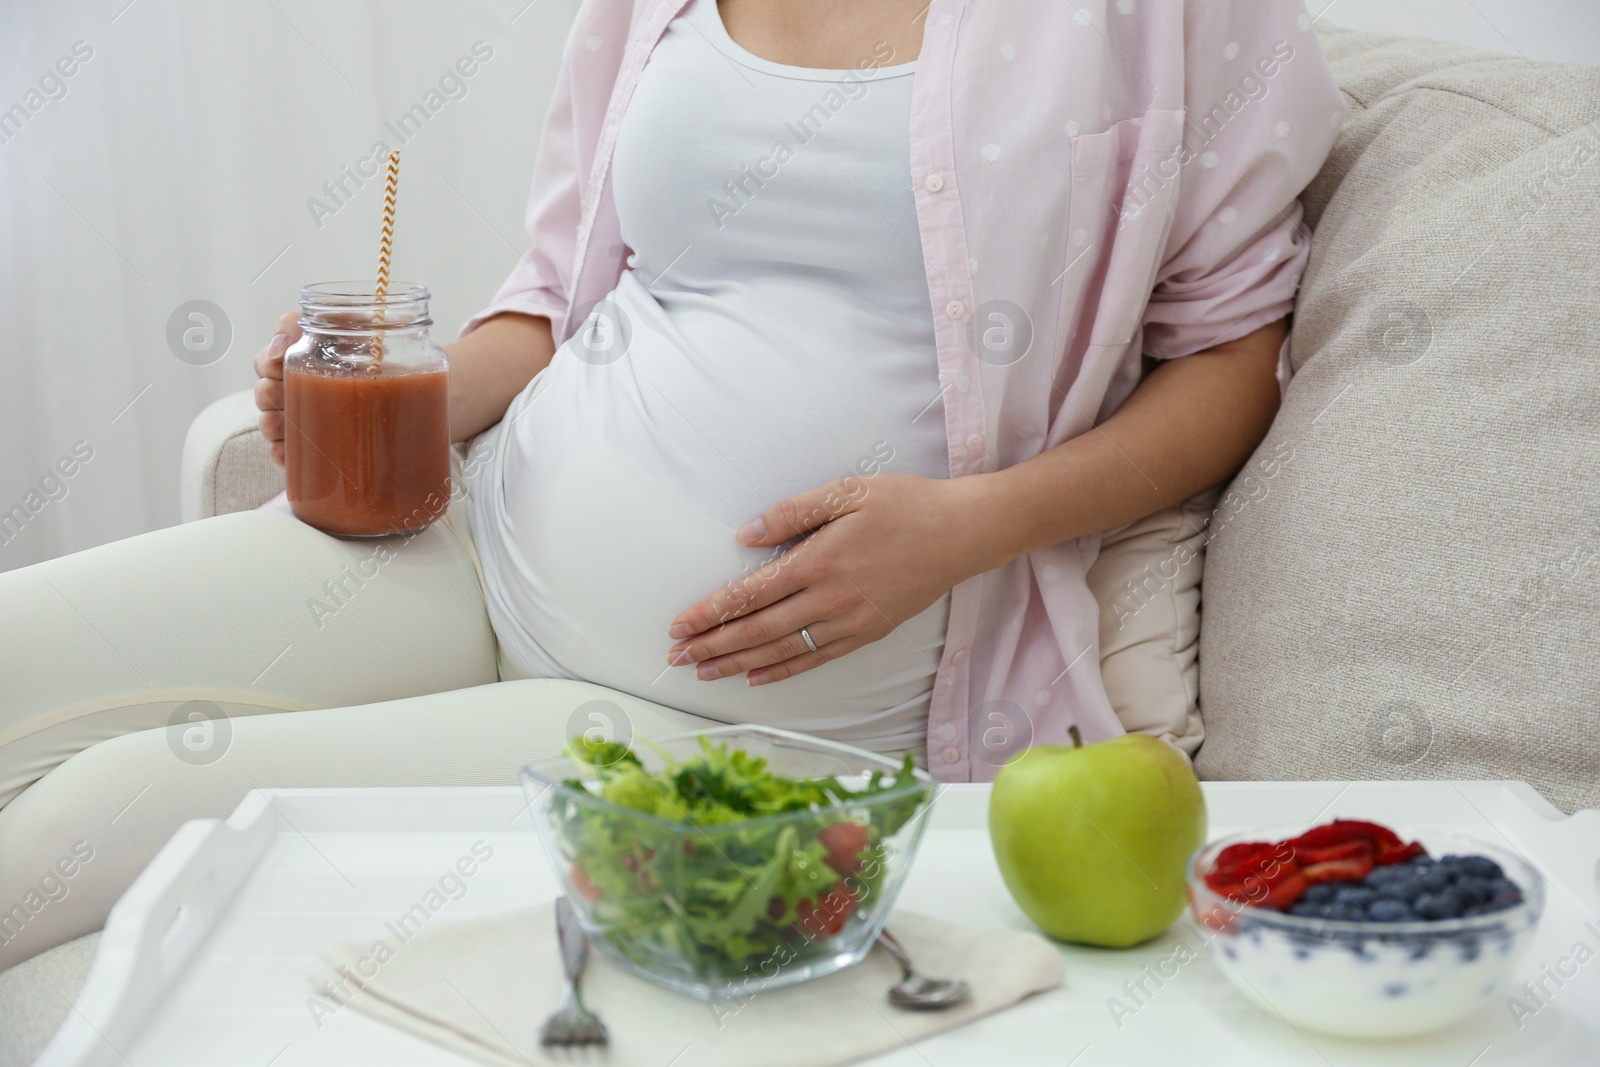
(918,993)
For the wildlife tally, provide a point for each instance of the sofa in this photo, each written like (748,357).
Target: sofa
(1416,592)
(1404,582)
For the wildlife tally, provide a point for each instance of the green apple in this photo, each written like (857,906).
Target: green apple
(1092,840)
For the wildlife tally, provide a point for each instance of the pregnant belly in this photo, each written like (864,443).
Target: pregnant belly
(589,559)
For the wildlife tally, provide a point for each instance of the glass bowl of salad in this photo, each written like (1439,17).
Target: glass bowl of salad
(729,861)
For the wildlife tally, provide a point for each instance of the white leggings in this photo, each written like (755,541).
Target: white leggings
(163,676)
(158,679)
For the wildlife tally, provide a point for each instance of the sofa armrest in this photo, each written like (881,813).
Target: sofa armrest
(226,465)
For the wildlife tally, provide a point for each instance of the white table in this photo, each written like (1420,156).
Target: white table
(204,961)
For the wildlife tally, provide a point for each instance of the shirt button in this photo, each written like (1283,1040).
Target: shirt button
(963,383)
(1042,698)
(951,755)
(933,183)
(955,309)
(975,443)
(960,656)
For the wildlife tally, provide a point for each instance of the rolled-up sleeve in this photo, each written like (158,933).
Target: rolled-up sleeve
(1262,111)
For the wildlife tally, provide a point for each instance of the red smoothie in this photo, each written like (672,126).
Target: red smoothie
(367,454)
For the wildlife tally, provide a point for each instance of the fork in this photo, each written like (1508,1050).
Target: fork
(572,1024)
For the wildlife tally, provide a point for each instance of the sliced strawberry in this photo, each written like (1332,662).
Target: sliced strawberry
(1273,882)
(1286,890)
(1341,831)
(1309,855)
(1235,884)
(1246,855)
(1350,870)
(1275,875)
(1399,854)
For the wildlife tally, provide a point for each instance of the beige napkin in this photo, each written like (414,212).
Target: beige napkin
(483,988)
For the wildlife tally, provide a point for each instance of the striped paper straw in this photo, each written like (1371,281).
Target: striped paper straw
(391,186)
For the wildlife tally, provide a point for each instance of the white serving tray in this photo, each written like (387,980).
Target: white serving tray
(204,960)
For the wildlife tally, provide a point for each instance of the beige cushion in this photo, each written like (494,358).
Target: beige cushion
(1147,580)
(1417,594)
(226,465)
(37,994)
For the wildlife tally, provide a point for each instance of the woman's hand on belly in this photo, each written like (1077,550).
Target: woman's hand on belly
(885,547)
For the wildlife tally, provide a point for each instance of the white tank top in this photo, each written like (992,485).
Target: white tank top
(772,332)
(776,305)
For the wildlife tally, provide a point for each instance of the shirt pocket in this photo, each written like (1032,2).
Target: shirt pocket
(1124,187)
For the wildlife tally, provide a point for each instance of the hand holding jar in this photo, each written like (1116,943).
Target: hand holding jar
(364,427)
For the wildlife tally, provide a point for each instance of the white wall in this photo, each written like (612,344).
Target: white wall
(179,163)
(1566,31)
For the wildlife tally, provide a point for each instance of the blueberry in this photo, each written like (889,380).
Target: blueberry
(1422,861)
(1345,912)
(1480,867)
(1389,911)
(1321,893)
(1485,867)
(1401,891)
(1382,876)
(1440,906)
(1304,908)
(1354,896)
(1434,881)
(1473,890)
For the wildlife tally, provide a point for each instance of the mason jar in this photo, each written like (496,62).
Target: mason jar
(366,405)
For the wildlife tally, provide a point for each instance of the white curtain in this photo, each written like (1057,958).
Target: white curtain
(176,162)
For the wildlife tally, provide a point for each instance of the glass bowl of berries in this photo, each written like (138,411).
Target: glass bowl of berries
(733,860)
(1352,930)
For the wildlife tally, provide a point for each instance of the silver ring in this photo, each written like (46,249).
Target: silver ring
(805,635)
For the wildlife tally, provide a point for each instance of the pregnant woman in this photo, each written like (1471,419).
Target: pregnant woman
(845,329)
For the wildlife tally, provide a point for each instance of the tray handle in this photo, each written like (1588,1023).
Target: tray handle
(188,924)
(155,930)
